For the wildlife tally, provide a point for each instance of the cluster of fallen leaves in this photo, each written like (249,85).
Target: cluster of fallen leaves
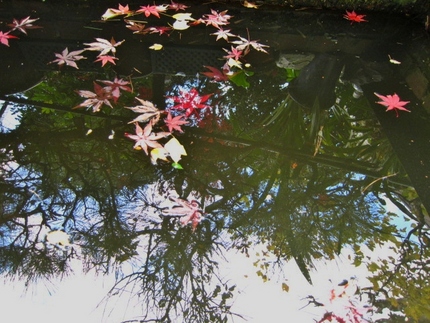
(238,46)
(153,142)
(391,102)
(106,49)
(20,26)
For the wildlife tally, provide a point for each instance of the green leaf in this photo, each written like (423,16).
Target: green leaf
(240,78)
(177,166)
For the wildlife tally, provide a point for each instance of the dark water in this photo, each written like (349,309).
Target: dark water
(286,180)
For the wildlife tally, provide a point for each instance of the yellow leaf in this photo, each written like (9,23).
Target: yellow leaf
(156,47)
(183,16)
(285,287)
(251,5)
(158,153)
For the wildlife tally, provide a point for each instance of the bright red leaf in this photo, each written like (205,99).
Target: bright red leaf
(392,102)
(190,102)
(353,17)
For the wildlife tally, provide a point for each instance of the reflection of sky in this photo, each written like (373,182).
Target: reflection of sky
(9,118)
(78,298)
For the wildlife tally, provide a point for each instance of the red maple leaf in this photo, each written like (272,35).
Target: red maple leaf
(353,17)
(106,59)
(216,74)
(152,10)
(4,38)
(190,101)
(95,99)
(392,102)
(115,86)
(174,123)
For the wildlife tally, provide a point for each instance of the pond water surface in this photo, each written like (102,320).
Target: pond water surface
(225,165)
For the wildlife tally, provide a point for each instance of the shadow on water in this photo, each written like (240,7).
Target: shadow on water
(292,155)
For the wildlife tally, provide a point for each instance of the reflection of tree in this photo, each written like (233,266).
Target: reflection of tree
(259,180)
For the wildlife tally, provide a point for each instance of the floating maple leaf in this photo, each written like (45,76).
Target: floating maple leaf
(174,123)
(223,34)
(147,111)
(177,6)
(4,38)
(95,99)
(137,27)
(68,58)
(216,74)
(392,102)
(112,12)
(244,44)
(152,10)
(353,17)
(106,59)
(235,53)
(103,46)
(145,138)
(190,101)
(160,30)
(115,86)
(23,24)
(189,212)
(216,19)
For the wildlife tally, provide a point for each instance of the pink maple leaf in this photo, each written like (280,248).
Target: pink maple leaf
(115,86)
(106,59)
(4,38)
(174,123)
(152,10)
(189,212)
(177,6)
(145,138)
(68,58)
(95,99)
(23,24)
(216,18)
(235,53)
(392,102)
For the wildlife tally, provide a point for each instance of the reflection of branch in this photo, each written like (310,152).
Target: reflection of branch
(351,165)
(378,179)
(63,108)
